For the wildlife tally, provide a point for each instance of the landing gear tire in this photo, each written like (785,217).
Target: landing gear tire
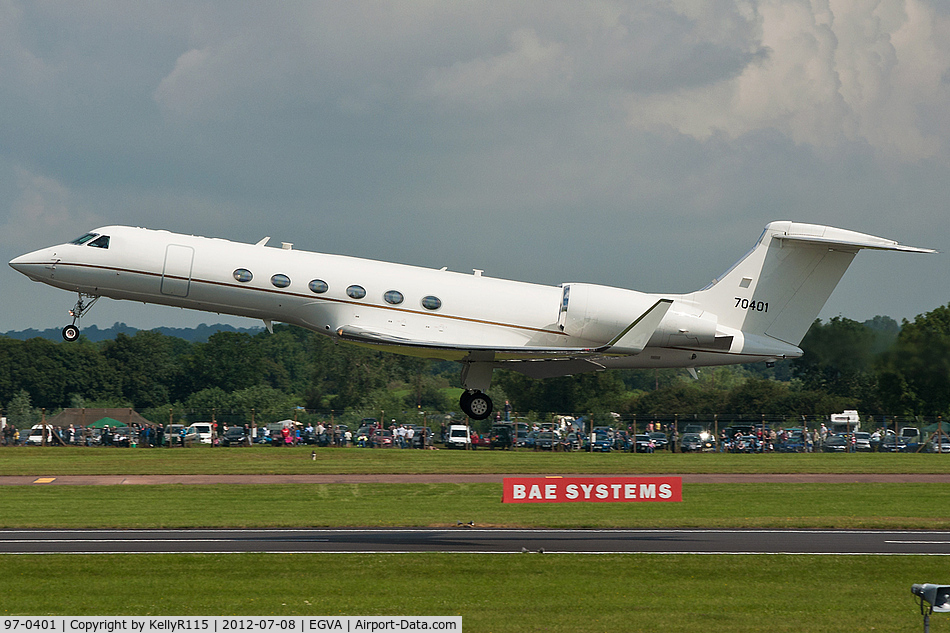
(475,405)
(70,333)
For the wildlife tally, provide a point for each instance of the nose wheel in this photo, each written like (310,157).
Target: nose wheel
(71,331)
(475,405)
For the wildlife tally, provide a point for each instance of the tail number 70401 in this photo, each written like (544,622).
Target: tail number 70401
(751,305)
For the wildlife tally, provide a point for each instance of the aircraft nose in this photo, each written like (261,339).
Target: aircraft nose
(37,265)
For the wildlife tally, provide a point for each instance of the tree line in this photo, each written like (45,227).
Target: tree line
(877,367)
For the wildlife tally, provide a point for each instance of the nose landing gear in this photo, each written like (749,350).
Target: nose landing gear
(71,331)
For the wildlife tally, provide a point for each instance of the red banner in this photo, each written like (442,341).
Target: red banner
(592,489)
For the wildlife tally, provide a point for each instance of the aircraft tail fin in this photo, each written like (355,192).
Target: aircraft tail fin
(778,289)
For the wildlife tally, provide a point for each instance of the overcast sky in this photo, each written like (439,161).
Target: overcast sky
(634,144)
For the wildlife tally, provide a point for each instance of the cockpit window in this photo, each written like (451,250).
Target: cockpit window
(83,239)
(100,242)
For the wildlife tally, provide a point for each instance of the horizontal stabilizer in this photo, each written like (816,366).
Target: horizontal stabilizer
(851,239)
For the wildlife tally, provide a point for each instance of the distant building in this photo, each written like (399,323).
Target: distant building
(88,417)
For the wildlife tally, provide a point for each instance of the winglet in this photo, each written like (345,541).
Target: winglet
(635,336)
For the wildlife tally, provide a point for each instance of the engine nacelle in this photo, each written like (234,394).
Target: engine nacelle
(600,313)
(685,330)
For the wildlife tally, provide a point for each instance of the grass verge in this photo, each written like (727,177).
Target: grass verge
(752,505)
(267,460)
(499,594)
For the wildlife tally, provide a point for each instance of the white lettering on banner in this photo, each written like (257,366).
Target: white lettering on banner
(559,489)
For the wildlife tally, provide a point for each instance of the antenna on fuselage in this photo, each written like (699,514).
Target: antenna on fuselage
(263,242)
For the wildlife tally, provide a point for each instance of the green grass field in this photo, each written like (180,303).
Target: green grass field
(499,594)
(495,593)
(752,505)
(266,460)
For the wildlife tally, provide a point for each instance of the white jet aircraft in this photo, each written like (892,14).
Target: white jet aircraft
(759,310)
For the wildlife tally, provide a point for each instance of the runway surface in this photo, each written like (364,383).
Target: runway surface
(474,540)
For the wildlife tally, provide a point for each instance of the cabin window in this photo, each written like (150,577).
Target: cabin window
(281,281)
(100,242)
(319,286)
(394,297)
(356,292)
(431,303)
(84,238)
(243,275)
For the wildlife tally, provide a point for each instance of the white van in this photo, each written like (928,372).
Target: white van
(460,436)
(199,432)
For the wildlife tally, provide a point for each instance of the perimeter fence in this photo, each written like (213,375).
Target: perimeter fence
(77,426)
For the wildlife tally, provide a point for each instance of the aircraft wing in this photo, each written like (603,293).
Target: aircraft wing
(632,340)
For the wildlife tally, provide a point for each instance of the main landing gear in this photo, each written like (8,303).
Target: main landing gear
(71,331)
(476,378)
(475,404)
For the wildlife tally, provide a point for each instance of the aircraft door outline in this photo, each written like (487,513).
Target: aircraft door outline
(176,273)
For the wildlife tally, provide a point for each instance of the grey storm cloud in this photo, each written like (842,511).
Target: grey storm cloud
(639,144)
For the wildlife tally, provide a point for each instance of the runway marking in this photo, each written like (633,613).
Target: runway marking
(921,542)
(45,480)
(139,540)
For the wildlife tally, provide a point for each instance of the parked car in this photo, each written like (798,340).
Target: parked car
(500,436)
(837,443)
(693,443)
(660,440)
(794,442)
(893,444)
(235,436)
(122,436)
(421,436)
(862,442)
(173,435)
(600,442)
(35,437)
(644,444)
(746,444)
(382,439)
(938,445)
(460,436)
(530,439)
(571,442)
(622,441)
(547,441)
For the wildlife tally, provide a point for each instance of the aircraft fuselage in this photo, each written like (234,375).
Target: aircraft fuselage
(759,310)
